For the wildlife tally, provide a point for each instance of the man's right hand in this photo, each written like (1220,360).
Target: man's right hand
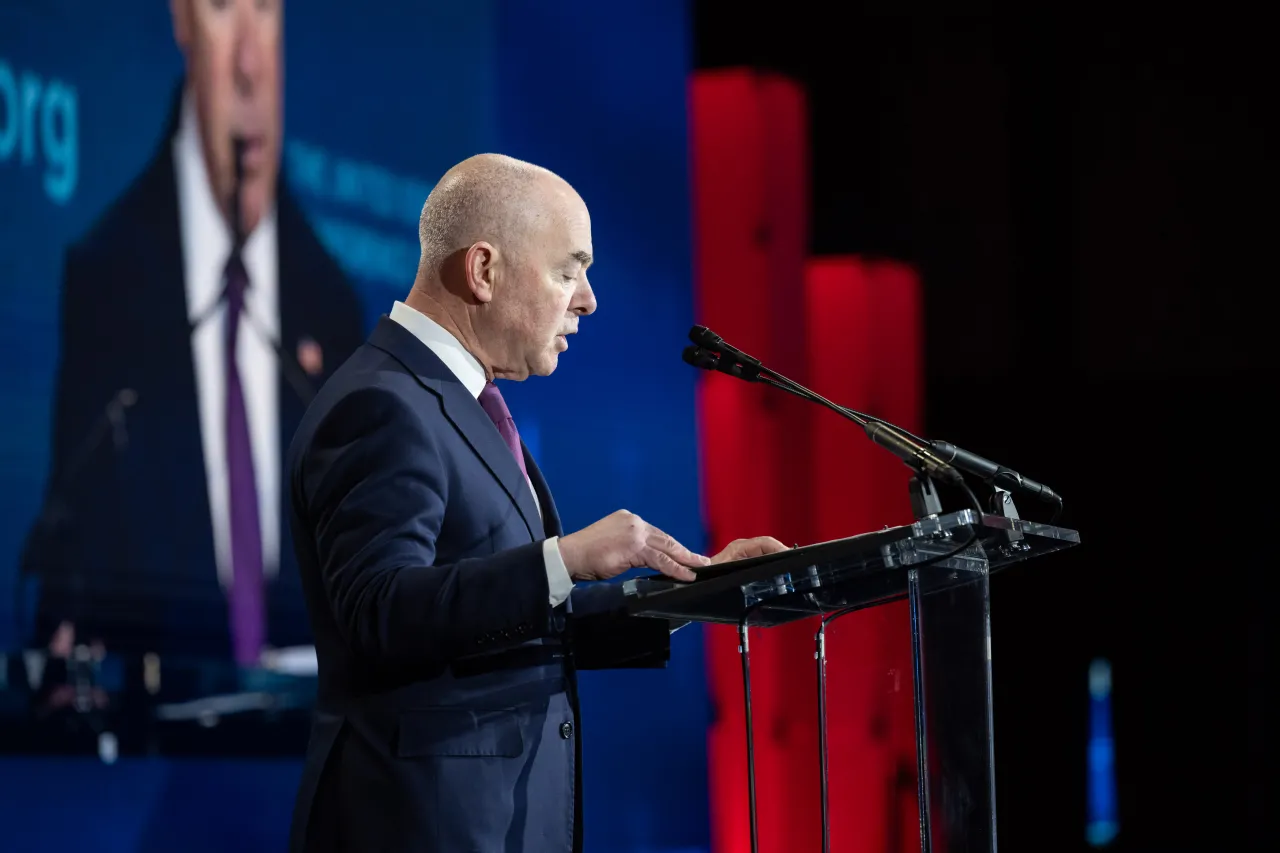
(623,541)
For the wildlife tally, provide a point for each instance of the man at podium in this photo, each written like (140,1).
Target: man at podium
(449,609)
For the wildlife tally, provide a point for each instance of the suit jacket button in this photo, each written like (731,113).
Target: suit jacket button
(566,730)
(522,629)
(479,641)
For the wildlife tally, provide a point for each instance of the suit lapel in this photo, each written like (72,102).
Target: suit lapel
(167,400)
(474,425)
(464,412)
(550,517)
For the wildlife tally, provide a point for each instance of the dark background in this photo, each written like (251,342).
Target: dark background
(1088,199)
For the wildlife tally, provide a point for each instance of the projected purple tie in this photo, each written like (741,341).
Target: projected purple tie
(496,408)
(247,620)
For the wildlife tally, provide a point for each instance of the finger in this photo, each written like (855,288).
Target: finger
(669,567)
(668,545)
(761,545)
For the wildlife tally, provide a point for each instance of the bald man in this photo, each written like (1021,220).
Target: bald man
(449,611)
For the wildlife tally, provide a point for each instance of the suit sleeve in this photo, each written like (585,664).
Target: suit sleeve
(603,636)
(374,490)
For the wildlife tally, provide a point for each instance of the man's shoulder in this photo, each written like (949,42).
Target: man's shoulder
(371,387)
(147,205)
(301,248)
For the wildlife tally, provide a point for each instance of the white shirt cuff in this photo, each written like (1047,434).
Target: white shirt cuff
(558,581)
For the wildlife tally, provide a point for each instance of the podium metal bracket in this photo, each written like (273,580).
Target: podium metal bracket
(924,497)
(1002,505)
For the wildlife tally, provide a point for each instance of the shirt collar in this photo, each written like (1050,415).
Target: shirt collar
(447,348)
(207,236)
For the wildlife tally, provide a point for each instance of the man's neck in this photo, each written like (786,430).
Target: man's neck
(429,306)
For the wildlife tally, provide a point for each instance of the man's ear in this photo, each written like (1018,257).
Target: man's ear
(481,265)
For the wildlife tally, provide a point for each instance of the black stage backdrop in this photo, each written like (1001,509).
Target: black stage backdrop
(1086,200)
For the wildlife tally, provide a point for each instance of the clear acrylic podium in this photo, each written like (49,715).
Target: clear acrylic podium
(941,564)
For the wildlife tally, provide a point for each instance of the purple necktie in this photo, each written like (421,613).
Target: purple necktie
(248,624)
(496,408)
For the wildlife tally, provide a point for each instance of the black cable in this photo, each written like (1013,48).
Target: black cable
(973,499)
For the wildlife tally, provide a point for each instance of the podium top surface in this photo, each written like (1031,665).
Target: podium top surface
(859,571)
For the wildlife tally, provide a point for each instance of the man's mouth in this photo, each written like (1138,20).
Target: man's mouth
(253,151)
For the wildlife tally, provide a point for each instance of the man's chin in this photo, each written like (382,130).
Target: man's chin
(256,199)
(548,365)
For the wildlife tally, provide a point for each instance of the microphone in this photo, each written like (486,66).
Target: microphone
(59,505)
(112,419)
(701,358)
(707,360)
(709,340)
(915,453)
(937,459)
(288,363)
(237,217)
(712,352)
(1005,478)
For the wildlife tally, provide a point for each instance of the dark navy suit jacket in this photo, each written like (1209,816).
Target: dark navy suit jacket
(125,547)
(447,716)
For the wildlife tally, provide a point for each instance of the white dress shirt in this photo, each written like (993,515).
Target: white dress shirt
(469,372)
(206,246)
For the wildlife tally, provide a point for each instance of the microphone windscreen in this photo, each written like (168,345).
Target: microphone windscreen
(698,357)
(704,337)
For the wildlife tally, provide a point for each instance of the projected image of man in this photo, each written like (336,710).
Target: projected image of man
(171,539)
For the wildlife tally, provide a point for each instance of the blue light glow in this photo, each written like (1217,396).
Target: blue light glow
(1103,818)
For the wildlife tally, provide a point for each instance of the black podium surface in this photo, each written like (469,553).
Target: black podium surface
(857,571)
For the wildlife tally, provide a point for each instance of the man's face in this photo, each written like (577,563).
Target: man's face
(233,55)
(542,289)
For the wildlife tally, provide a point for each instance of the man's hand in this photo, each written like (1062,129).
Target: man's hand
(623,541)
(741,549)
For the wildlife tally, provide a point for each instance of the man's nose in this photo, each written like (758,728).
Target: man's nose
(584,299)
(248,58)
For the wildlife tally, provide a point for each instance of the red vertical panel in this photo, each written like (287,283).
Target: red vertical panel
(843,367)
(896,395)
(728,155)
(772,464)
(864,353)
(750,204)
(787,717)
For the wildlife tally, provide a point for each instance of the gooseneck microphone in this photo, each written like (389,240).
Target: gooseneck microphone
(712,352)
(939,460)
(237,215)
(288,363)
(64,497)
(994,473)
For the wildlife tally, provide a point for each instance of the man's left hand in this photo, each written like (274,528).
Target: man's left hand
(741,549)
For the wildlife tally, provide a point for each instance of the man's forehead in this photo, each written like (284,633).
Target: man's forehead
(577,231)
